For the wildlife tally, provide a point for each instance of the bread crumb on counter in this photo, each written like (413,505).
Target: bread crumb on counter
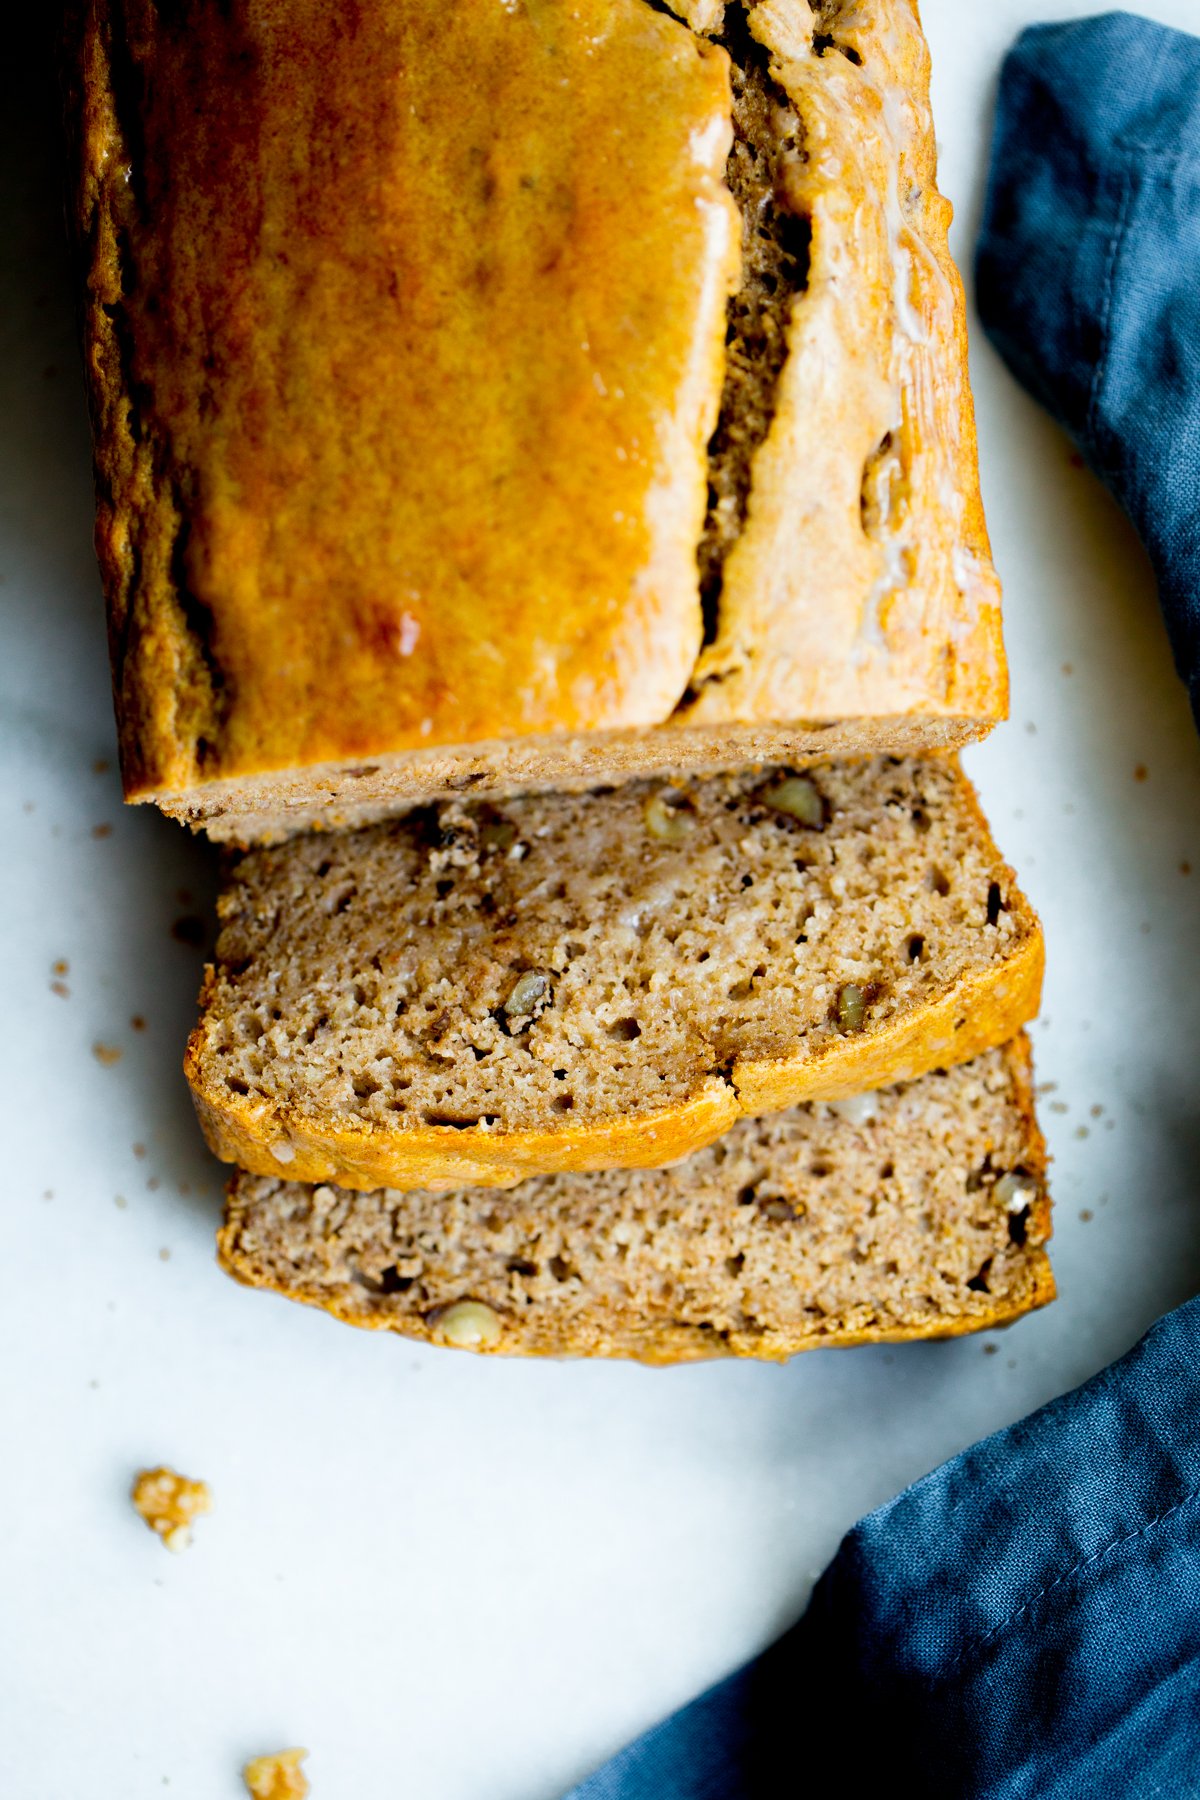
(277,1777)
(169,1502)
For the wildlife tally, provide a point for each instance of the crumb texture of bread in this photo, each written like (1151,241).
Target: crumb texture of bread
(613,418)
(170,1503)
(919,1211)
(475,993)
(277,1777)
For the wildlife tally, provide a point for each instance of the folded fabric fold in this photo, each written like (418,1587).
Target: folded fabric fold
(1024,1622)
(1088,271)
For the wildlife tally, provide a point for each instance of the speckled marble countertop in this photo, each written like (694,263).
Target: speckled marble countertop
(450,1577)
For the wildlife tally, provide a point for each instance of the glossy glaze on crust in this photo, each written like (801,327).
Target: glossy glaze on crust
(401,420)
(918,1212)
(418,312)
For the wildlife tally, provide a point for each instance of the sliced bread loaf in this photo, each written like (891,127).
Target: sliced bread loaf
(409,392)
(593,981)
(916,1212)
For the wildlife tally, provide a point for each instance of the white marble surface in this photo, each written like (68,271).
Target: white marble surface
(461,1578)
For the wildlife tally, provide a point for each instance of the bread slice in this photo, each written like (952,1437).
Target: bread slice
(919,1211)
(599,414)
(476,994)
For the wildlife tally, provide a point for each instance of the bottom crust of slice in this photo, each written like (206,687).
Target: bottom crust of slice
(919,1211)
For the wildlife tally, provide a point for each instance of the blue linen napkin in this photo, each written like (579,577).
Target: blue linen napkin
(1024,1623)
(1088,271)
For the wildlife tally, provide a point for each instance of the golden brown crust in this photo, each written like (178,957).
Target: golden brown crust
(406,1262)
(356,1154)
(332,566)
(360,394)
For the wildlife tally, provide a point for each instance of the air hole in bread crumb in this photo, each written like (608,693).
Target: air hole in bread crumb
(939,882)
(624,1031)
(978,1283)
(914,949)
(392,1282)
(995,903)
(563,1103)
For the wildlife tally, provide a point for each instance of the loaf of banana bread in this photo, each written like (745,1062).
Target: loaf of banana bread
(500,396)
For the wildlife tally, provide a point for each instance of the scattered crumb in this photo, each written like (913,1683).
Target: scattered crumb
(169,1502)
(164,1254)
(1081,1131)
(277,1777)
(61,967)
(185,1187)
(1185,868)
(93,1383)
(1031,728)
(121,1201)
(188,929)
(100,766)
(1141,773)
(1087,1215)
(27,806)
(1068,668)
(991,1349)
(1046,1087)
(107,1054)
(137,1022)
(61,989)
(1059,1106)
(48,1194)
(1096,1111)
(1109,1124)
(139,1150)
(154,1184)
(101,831)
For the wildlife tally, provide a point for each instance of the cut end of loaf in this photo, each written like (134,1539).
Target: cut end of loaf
(917,1212)
(268,806)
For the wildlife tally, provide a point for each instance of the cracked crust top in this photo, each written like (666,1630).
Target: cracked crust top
(405,410)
